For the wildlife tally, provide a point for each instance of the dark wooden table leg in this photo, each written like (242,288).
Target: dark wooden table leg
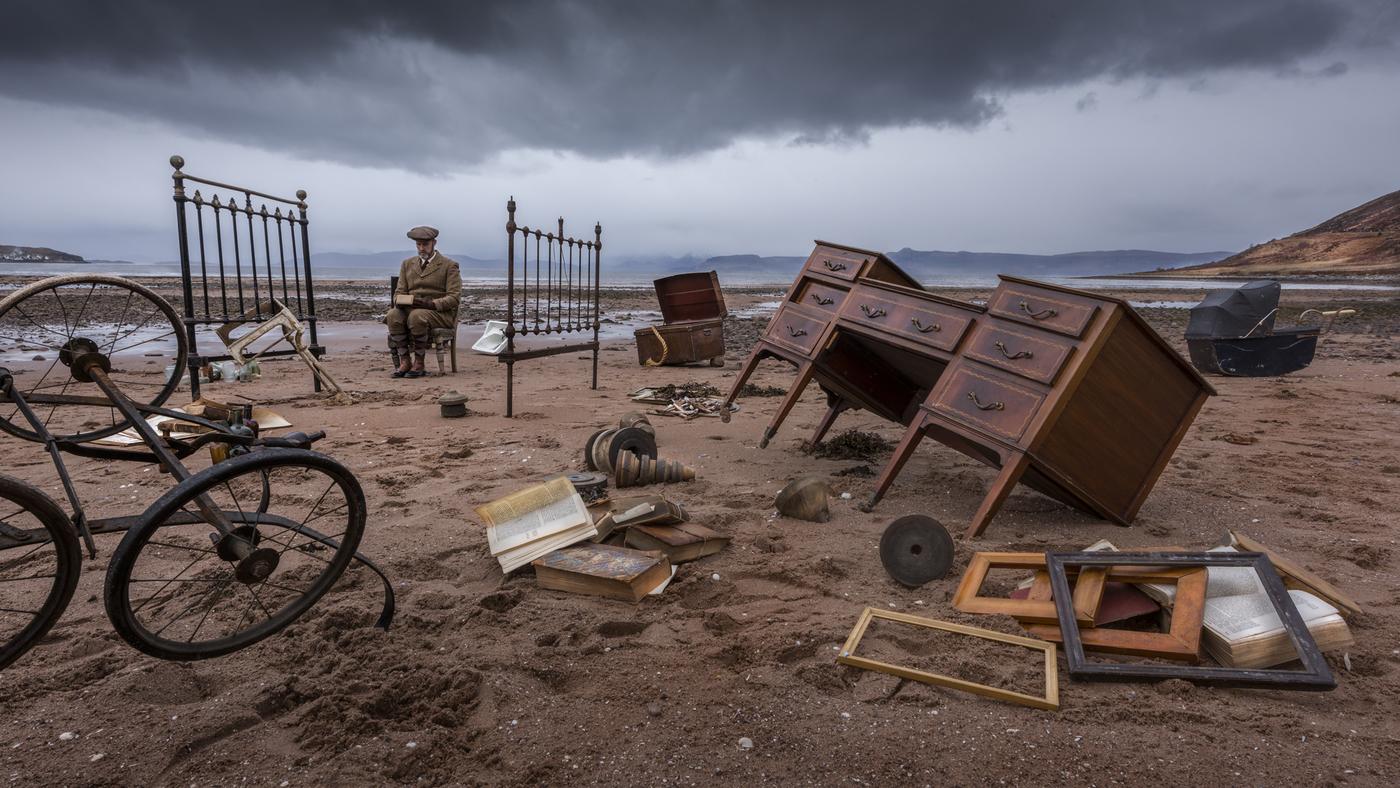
(745,373)
(834,407)
(804,376)
(912,435)
(1011,470)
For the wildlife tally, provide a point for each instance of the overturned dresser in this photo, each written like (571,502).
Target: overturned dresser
(692,322)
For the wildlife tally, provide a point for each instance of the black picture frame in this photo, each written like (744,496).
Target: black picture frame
(1314,675)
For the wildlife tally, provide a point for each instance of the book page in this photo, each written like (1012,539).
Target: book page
(1242,616)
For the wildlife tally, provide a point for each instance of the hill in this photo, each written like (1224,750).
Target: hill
(1364,241)
(36,254)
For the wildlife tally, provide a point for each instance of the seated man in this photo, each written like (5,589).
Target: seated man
(429,290)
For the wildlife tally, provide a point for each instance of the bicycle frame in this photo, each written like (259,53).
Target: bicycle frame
(165,451)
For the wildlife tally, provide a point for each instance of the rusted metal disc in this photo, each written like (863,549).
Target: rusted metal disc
(588,460)
(630,439)
(916,549)
(591,486)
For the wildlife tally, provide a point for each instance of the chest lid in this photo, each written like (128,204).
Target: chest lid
(693,296)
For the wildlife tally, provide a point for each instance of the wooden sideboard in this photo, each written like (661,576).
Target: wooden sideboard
(1068,392)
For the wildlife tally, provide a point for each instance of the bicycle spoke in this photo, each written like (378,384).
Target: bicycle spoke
(31,577)
(129,295)
(207,611)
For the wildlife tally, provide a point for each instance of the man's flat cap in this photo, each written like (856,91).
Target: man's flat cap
(423,233)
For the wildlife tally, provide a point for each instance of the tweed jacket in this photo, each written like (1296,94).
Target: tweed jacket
(440,280)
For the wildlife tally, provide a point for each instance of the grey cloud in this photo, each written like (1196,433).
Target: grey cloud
(437,85)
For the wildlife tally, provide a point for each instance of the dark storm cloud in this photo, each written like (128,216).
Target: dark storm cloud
(430,85)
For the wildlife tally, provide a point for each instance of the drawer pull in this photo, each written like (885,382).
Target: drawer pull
(872,313)
(972,395)
(1013,356)
(831,266)
(796,332)
(1041,315)
(820,301)
(924,329)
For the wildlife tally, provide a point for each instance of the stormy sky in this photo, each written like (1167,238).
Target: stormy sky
(706,127)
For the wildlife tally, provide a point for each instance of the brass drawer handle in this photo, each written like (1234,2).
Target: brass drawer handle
(972,395)
(830,266)
(1013,356)
(796,332)
(872,313)
(1041,315)
(820,301)
(924,329)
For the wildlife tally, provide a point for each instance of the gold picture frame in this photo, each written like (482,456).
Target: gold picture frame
(1051,701)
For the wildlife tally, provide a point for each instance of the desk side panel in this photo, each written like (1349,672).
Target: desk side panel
(1122,421)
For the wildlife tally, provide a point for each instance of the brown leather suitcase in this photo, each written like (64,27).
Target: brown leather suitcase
(692,329)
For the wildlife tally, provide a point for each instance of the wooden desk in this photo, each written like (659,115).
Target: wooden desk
(1070,392)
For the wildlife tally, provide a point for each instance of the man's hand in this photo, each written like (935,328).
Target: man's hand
(419,302)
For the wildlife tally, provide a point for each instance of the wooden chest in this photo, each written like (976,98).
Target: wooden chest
(692,327)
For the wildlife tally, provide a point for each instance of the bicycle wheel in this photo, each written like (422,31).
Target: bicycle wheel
(39,561)
(62,317)
(178,589)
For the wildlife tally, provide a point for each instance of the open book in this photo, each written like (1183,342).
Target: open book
(1240,627)
(535,521)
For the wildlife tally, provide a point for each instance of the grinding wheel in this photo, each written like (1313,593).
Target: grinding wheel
(916,549)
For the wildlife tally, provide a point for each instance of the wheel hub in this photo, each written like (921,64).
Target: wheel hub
(81,354)
(258,566)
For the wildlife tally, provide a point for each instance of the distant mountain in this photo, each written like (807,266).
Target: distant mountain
(36,254)
(1364,241)
(389,261)
(1101,263)
(924,265)
(931,265)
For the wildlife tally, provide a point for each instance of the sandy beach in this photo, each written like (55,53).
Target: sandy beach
(487,679)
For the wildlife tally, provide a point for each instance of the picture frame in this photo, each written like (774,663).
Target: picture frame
(1314,675)
(1088,590)
(1181,641)
(1049,702)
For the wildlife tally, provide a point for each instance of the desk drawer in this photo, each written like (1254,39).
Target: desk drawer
(793,329)
(1030,354)
(987,400)
(836,262)
(818,295)
(907,316)
(1043,308)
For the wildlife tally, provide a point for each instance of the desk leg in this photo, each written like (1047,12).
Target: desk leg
(912,435)
(744,374)
(804,376)
(836,405)
(1011,471)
